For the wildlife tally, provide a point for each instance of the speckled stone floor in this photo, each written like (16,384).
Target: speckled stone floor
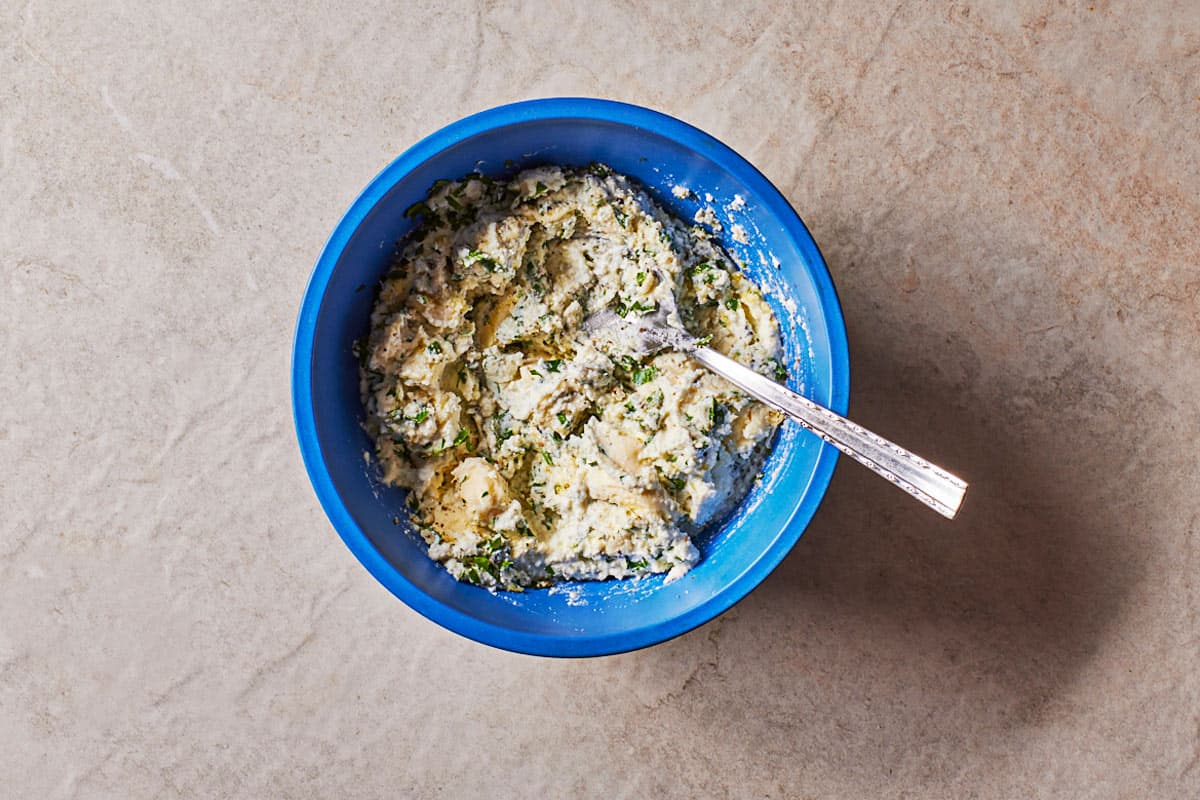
(1007,197)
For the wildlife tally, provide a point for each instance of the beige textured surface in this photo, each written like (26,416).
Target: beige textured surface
(1007,197)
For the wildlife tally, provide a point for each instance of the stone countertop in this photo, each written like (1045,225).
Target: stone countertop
(1008,200)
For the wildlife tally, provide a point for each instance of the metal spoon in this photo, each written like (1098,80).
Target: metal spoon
(661,329)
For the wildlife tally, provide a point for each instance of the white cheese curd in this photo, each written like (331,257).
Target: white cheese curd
(706,216)
(534,451)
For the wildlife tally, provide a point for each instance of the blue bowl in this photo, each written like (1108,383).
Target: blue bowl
(584,618)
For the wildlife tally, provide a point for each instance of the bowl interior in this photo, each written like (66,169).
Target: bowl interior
(583,617)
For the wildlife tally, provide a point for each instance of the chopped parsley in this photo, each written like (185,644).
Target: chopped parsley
(554,364)
(641,276)
(562,419)
(716,414)
(546,457)
(415,209)
(502,434)
(644,375)
(434,347)
(473,256)
(638,308)
(732,304)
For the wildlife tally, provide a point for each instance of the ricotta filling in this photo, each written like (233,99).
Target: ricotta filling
(535,451)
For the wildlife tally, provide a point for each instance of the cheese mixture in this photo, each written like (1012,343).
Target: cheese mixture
(534,451)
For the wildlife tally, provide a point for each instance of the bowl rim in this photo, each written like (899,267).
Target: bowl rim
(356,539)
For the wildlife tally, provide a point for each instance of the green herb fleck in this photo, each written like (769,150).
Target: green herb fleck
(717,413)
(546,457)
(491,264)
(502,435)
(732,304)
(644,375)
(416,208)
(641,276)
(554,364)
(462,437)
(562,418)
(434,347)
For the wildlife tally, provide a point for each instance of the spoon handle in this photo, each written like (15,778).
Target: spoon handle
(927,482)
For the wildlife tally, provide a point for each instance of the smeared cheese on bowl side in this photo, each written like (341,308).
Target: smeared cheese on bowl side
(533,451)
